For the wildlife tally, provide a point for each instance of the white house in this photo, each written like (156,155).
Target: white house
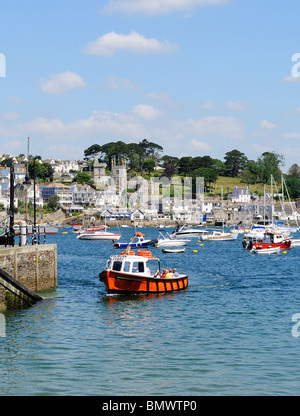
(241,195)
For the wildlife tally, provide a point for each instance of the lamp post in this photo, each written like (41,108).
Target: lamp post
(28,182)
(11,237)
(34,206)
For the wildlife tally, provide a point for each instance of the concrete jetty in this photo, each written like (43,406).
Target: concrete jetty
(24,271)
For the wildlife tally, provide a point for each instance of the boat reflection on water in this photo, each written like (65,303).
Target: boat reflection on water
(117,299)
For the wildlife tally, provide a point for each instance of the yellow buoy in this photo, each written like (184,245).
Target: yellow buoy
(195,251)
(201,245)
(65,232)
(284,252)
(157,246)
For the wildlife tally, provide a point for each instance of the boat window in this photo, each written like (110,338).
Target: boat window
(138,267)
(117,266)
(126,267)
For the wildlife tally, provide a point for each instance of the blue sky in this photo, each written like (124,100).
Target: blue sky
(199,77)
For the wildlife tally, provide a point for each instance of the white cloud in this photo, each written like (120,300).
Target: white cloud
(265,124)
(196,145)
(10,116)
(109,43)
(156,7)
(236,105)
(115,83)
(223,127)
(209,106)
(292,135)
(146,112)
(61,83)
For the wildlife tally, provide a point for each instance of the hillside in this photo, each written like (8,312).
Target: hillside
(230,183)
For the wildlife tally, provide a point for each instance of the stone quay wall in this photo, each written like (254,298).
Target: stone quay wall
(34,266)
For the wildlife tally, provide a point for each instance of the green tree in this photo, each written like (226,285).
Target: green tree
(250,174)
(83,178)
(170,160)
(185,164)
(92,151)
(219,166)
(53,202)
(209,175)
(269,164)
(294,171)
(293,186)
(42,171)
(235,162)
(149,165)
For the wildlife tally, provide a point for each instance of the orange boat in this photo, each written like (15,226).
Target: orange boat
(130,273)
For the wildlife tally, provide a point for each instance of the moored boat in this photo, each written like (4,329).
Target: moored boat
(131,273)
(98,235)
(269,240)
(173,250)
(166,240)
(138,241)
(260,250)
(185,231)
(220,236)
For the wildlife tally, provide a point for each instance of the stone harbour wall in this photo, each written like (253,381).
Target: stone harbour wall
(34,266)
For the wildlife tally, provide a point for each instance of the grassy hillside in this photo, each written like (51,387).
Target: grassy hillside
(230,183)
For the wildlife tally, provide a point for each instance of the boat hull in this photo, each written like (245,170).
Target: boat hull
(143,244)
(173,250)
(188,234)
(172,243)
(262,246)
(124,283)
(224,237)
(100,236)
(266,251)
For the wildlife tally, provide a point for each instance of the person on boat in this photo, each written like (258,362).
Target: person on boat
(163,275)
(175,273)
(157,273)
(169,275)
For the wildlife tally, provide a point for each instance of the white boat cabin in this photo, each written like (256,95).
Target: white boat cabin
(133,264)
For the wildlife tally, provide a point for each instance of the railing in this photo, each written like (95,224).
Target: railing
(23,236)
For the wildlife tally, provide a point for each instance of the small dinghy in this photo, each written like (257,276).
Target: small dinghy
(173,250)
(261,250)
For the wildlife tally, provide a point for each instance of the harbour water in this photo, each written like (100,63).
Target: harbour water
(230,333)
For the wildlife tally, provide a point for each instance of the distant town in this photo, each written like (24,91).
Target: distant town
(114,195)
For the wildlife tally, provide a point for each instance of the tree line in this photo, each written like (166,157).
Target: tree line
(145,155)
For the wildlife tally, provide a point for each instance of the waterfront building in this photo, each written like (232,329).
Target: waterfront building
(241,195)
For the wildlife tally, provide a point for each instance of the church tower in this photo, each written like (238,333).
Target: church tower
(99,171)
(119,175)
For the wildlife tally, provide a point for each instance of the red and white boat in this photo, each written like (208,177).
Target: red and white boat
(98,235)
(268,241)
(99,228)
(131,273)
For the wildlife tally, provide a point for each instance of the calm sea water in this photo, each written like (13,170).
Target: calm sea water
(229,333)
